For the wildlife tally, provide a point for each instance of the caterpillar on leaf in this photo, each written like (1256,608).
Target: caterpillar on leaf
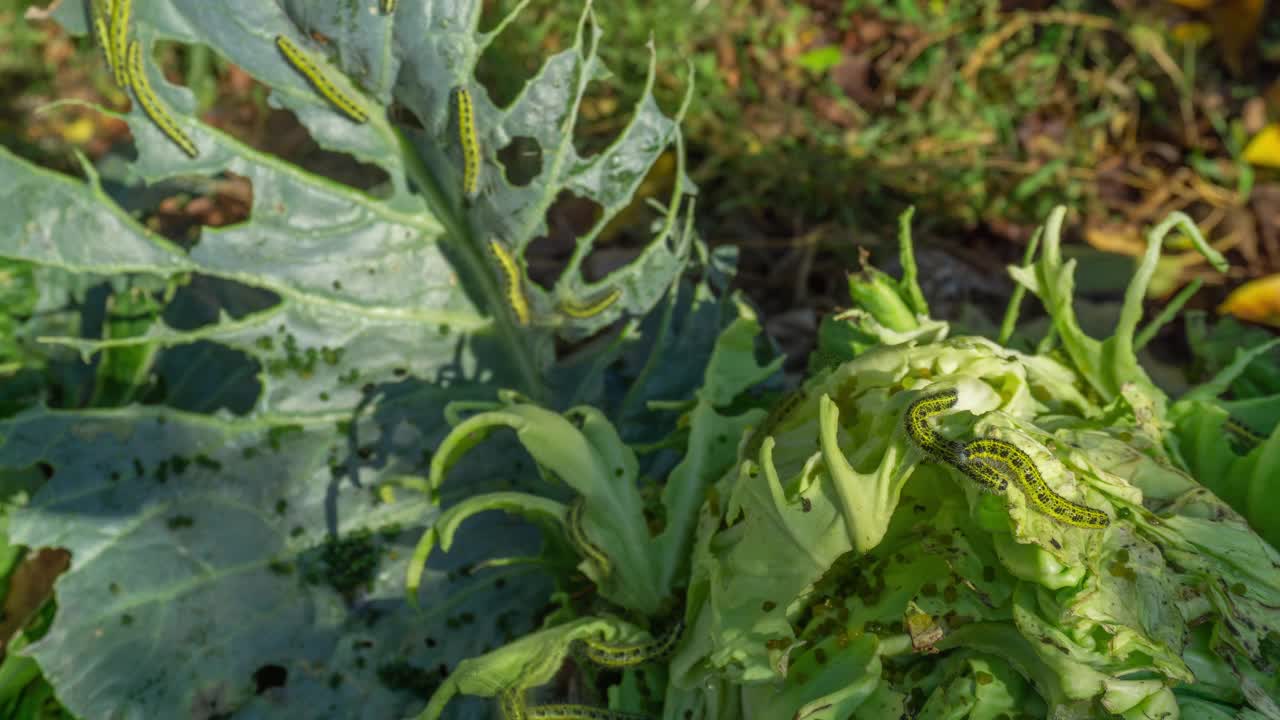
(590,308)
(994,463)
(470,142)
(512,288)
(303,63)
(152,105)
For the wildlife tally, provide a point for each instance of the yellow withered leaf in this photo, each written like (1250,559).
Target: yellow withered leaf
(1264,148)
(1255,301)
(1192,33)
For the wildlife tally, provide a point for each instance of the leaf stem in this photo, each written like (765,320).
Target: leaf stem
(519,353)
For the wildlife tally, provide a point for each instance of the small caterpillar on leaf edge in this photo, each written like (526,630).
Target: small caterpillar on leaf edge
(584,310)
(621,656)
(578,536)
(511,286)
(152,105)
(470,142)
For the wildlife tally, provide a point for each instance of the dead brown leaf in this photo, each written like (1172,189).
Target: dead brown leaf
(29,587)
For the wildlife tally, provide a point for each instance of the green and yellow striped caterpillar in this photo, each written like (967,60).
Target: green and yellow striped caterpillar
(470,142)
(1023,470)
(578,536)
(511,286)
(1243,439)
(152,105)
(513,707)
(994,463)
(304,64)
(582,310)
(121,15)
(102,11)
(622,656)
(934,444)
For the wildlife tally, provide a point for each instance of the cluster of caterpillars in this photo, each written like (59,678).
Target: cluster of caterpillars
(111,19)
(111,24)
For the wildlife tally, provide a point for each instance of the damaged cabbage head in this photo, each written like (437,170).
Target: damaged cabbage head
(858,571)
(930,527)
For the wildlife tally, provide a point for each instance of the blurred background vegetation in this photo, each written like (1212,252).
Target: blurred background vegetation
(814,123)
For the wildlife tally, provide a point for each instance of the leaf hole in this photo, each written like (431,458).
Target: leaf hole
(283,136)
(180,216)
(569,217)
(269,676)
(600,119)
(506,66)
(521,160)
(629,231)
(206,377)
(203,299)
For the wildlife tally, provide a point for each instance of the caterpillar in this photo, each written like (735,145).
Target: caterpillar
(591,308)
(1025,473)
(511,282)
(513,707)
(388,6)
(934,444)
(121,12)
(102,10)
(151,104)
(988,477)
(578,536)
(771,421)
(993,463)
(308,67)
(470,143)
(621,656)
(1243,438)
(511,703)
